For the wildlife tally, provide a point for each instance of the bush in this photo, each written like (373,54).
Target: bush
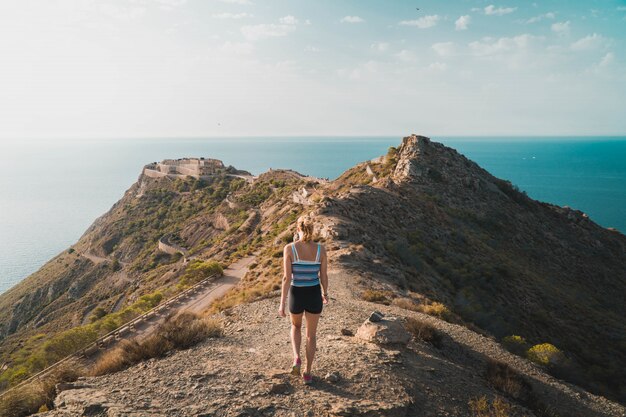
(515,344)
(545,354)
(97,314)
(198,270)
(42,353)
(506,380)
(376,296)
(405,303)
(37,395)
(424,331)
(480,407)
(437,309)
(177,332)
(21,402)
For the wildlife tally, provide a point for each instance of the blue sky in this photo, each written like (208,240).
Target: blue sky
(166,68)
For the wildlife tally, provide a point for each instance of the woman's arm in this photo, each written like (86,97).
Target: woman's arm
(286,279)
(324,274)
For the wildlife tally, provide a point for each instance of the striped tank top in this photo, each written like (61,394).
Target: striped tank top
(305,273)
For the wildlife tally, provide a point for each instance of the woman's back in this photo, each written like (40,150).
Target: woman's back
(305,264)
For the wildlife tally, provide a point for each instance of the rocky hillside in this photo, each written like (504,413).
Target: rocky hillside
(419,229)
(444,228)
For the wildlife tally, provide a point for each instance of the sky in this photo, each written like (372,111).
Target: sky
(198,68)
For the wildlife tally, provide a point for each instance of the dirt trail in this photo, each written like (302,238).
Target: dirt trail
(199,301)
(245,372)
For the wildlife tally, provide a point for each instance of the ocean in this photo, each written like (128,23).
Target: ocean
(51,191)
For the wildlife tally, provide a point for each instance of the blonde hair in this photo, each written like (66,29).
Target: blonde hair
(305,224)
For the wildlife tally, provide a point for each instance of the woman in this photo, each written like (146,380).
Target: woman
(306,281)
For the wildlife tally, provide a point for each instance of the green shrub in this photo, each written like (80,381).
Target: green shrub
(515,344)
(38,395)
(97,314)
(545,354)
(198,270)
(39,353)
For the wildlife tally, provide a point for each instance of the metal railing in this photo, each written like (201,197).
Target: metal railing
(103,342)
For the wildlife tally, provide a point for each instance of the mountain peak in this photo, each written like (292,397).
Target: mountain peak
(410,153)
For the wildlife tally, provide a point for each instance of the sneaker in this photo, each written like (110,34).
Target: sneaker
(307,378)
(295,368)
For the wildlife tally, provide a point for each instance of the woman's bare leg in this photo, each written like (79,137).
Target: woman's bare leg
(311,340)
(296,334)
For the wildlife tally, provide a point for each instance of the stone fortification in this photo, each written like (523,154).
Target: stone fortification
(183,167)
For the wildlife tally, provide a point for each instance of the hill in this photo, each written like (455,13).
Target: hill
(422,229)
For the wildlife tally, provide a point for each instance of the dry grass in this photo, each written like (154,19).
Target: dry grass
(178,332)
(424,331)
(436,309)
(376,296)
(506,380)
(406,303)
(480,407)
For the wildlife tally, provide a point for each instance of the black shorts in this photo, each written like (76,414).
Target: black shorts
(307,299)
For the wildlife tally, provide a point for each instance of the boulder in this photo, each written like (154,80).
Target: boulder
(376,316)
(387,331)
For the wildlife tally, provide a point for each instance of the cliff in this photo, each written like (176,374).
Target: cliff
(421,229)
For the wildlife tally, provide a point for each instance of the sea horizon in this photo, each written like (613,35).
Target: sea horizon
(79,180)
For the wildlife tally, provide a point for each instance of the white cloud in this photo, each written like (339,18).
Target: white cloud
(491,10)
(231,15)
(462,22)
(560,28)
(438,66)
(405,55)
(379,46)
(423,22)
(607,59)
(236,1)
(265,30)
(535,19)
(589,42)
(288,20)
(352,19)
(444,48)
(490,46)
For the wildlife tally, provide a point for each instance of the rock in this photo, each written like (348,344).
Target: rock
(385,331)
(376,316)
(332,377)
(83,401)
(279,388)
(347,332)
